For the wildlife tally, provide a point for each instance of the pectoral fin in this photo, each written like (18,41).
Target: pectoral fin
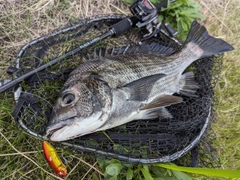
(162,101)
(140,89)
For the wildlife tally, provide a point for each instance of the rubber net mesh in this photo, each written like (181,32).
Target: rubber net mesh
(185,139)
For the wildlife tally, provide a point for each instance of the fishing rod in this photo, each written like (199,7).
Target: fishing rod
(145,14)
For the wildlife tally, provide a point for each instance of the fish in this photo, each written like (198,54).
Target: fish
(53,159)
(116,86)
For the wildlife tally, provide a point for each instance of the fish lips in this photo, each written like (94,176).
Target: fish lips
(58,125)
(74,127)
(62,130)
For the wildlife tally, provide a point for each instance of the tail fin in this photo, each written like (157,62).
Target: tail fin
(210,45)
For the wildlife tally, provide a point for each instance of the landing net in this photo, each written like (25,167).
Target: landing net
(186,139)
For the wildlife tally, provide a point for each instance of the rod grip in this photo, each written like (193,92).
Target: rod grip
(123,25)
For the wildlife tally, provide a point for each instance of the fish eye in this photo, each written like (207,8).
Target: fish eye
(68,98)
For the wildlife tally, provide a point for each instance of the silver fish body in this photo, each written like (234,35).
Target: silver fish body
(138,83)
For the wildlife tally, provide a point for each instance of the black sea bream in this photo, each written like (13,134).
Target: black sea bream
(138,83)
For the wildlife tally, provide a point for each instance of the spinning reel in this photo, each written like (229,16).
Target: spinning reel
(147,15)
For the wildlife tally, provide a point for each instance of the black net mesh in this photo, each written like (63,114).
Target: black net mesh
(185,139)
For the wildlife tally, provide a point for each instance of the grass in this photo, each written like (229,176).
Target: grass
(222,22)
(21,155)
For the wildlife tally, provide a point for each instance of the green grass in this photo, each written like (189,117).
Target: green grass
(227,125)
(21,155)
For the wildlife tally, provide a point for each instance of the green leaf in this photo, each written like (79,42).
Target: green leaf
(204,171)
(169,172)
(184,25)
(129,175)
(175,5)
(146,174)
(114,178)
(158,171)
(103,163)
(128,165)
(94,177)
(113,161)
(169,19)
(118,147)
(145,167)
(193,15)
(188,11)
(129,1)
(154,1)
(180,175)
(114,169)
(160,18)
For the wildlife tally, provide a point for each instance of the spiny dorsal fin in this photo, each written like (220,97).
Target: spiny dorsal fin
(162,101)
(100,53)
(125,50)
(95,55)
(112,52)
(153,48)
(106,50)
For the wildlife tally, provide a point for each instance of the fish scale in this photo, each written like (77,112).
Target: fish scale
(119,73)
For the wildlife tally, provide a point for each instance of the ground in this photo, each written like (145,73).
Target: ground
(22,21)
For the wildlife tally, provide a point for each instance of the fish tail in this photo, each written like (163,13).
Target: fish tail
(208,45)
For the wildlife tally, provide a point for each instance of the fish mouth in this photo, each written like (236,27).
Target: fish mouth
(58,125)
(74,127)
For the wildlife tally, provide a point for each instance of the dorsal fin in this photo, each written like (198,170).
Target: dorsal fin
(95,55)
(155,48)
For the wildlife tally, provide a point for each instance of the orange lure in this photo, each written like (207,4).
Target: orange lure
(53,159)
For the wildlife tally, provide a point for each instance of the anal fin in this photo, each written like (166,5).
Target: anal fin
(155,113)
(164,113)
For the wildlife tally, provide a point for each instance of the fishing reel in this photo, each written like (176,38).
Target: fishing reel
(147,15)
